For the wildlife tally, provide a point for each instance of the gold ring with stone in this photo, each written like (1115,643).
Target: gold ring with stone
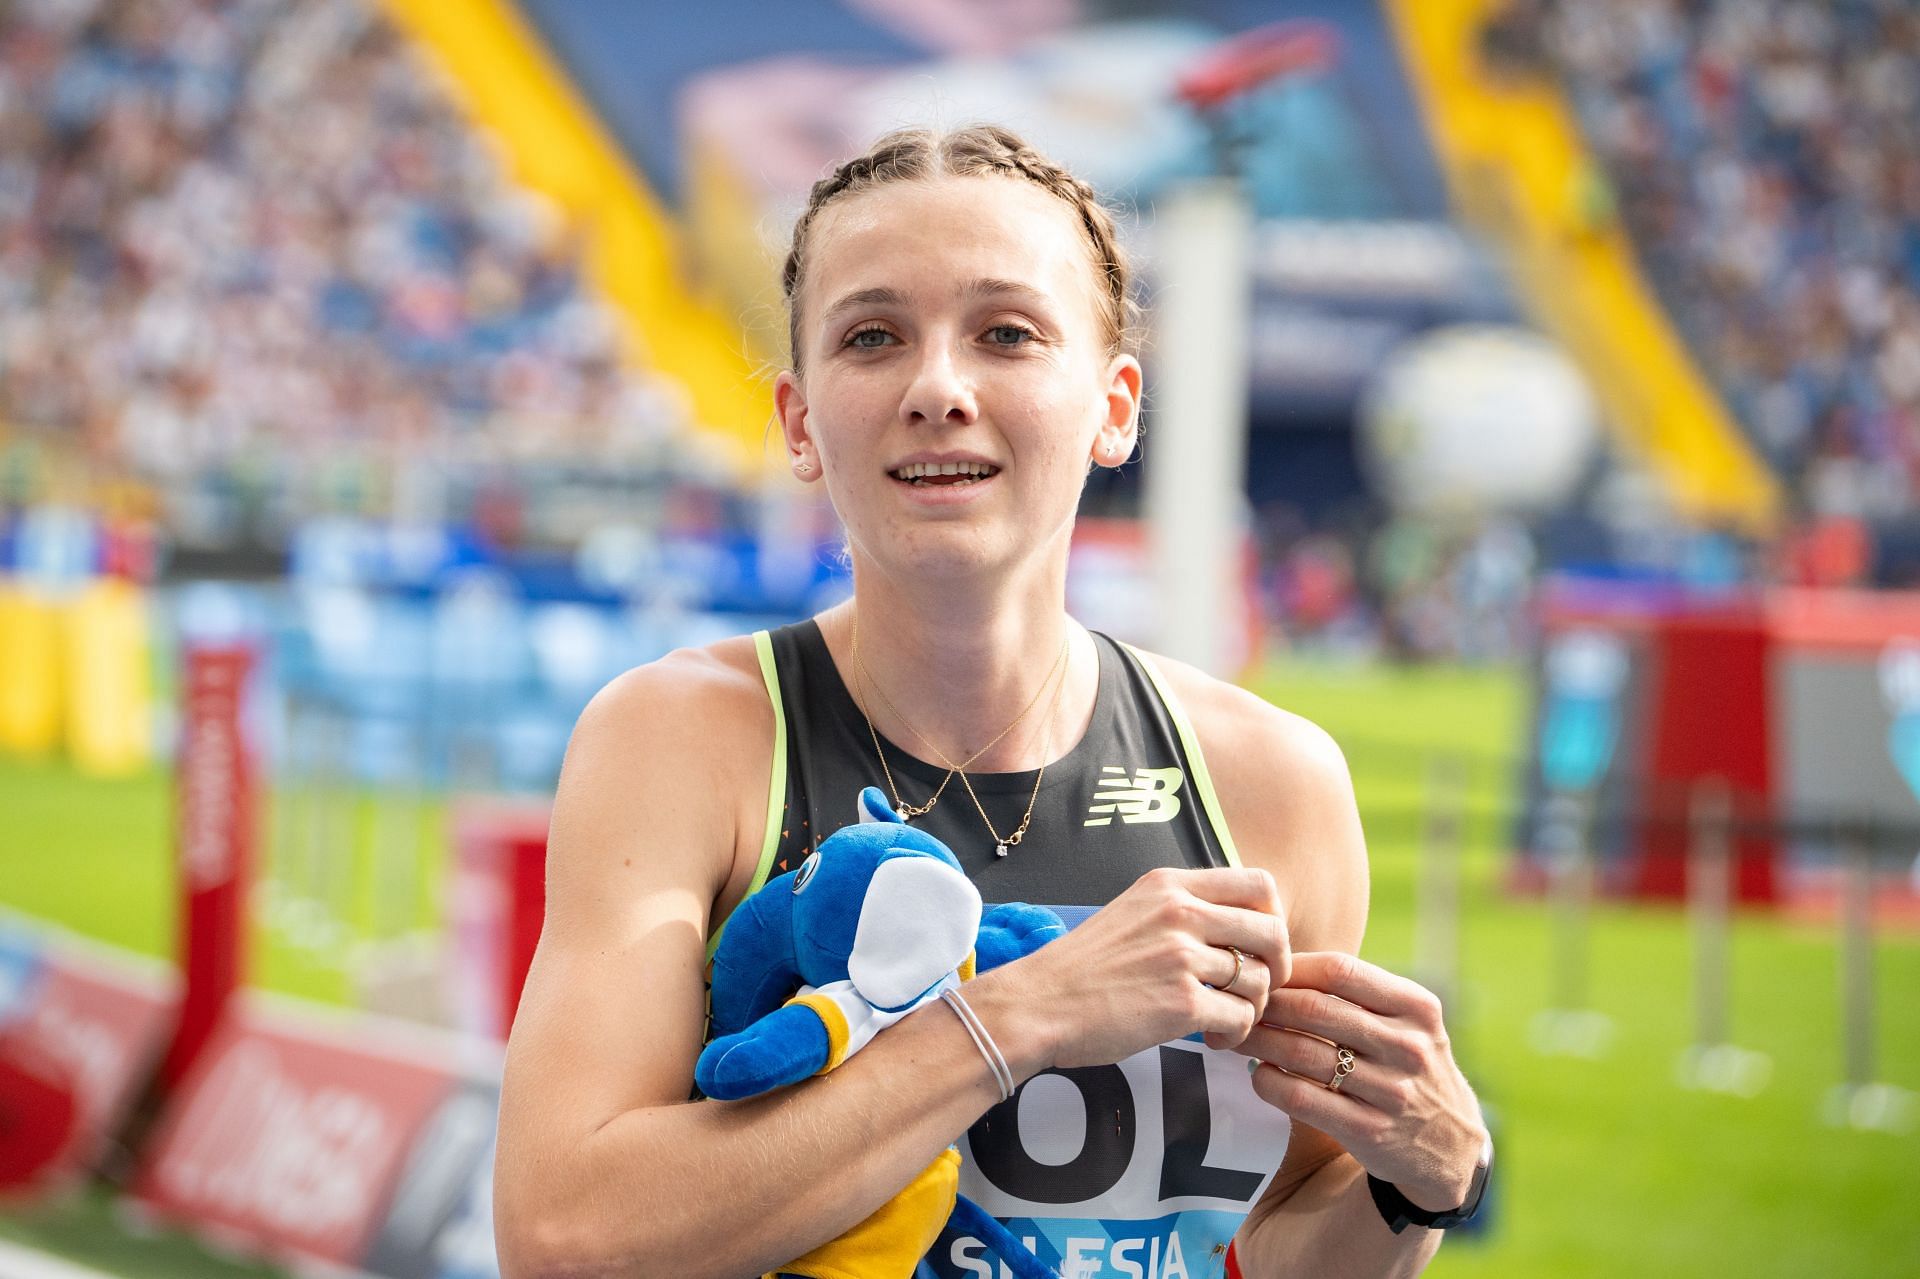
(1239,963)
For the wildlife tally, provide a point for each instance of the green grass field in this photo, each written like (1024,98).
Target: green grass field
(1607,1167)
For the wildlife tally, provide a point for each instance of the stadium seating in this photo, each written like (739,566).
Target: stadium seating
(1765,158)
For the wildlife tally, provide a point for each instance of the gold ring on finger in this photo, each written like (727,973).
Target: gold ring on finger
(1342,1067)
(1239,963)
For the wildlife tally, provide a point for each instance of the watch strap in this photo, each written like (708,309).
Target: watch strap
(1399,1212)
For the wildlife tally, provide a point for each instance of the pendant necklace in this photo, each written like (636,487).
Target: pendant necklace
(1002,844)
(911,811)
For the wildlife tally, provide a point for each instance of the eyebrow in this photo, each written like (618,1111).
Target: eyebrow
(986,287)
(992,288)
(866,297)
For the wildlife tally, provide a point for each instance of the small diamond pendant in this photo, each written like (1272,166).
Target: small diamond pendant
(1000,849)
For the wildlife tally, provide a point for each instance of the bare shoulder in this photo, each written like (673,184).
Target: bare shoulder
(1287,796)
(717,687)
(653,806)
(668,761)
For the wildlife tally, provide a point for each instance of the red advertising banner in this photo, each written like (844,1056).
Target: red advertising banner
(80,1027)
(291,1131)
(215,784)
(498,897)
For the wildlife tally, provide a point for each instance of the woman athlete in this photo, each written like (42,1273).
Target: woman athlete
(959,320)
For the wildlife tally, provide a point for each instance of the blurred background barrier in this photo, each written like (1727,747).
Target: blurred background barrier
(378,380)
(81,1028)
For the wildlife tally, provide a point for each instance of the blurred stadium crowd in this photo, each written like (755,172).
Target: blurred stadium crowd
(254,234)
(252,243)
(1766,156)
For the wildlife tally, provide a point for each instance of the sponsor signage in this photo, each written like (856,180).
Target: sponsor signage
(294,1131)
(498,897)
(440,1223)
(215,833)
(80,1027)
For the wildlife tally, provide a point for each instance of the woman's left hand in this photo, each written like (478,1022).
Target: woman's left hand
(1404,1111)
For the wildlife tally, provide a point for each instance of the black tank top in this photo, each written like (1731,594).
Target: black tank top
(1146,1167)
(1114,807)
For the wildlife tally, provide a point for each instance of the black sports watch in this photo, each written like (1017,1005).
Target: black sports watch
(1400,1212)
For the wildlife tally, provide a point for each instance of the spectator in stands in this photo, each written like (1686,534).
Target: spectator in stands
(1768,156)
(253,234)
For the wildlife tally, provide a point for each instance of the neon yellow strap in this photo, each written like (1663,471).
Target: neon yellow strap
(1196,762)
(776,783)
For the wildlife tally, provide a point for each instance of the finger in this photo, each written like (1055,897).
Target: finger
(1252,932)
(1347,1120)
(1247,887)
(1330,1017)
(1249,983)
(1359,982)
(1248,978)
(1221,1018)
(1315,1059)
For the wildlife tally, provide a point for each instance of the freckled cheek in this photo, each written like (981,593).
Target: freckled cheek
(847,421)
(1047,429)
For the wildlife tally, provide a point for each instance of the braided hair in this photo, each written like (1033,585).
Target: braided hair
(907,155)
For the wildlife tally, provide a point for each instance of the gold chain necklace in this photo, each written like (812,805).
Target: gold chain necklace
(910,811)
(1001,845)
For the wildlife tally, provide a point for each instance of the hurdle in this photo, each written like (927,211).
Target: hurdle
(1861,1101)
(1712,1062)
(1570,1026)
(1436,919)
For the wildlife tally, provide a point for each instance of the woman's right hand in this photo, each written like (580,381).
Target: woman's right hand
(1154,965)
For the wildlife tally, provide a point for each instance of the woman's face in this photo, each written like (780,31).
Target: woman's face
(953,324)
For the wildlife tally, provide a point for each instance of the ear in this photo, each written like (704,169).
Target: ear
(790,406)
(1120,427)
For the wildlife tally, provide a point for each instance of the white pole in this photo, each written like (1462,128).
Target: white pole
(1195,452)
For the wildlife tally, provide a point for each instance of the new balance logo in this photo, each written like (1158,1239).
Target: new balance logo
(1148,795)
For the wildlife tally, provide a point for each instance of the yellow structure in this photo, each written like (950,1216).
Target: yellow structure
(508,84)
(108,650)
(1520,172)
(30,671)
(76,675)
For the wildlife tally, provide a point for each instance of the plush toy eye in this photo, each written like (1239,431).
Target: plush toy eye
(805,873)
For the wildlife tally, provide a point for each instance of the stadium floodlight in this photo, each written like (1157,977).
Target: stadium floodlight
(1475,419)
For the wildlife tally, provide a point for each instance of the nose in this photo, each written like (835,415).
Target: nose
(938,392)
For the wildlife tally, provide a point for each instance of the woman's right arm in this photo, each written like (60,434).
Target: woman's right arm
(604,1167)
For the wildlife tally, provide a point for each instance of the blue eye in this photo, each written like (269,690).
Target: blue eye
(805,873)
(1009,334)
(859,338)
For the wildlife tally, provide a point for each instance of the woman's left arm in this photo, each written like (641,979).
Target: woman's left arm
(1403,1111)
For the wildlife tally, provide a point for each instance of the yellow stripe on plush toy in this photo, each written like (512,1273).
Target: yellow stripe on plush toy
(896,1236)
(838,1033)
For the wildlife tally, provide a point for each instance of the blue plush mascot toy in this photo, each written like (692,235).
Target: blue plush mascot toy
(878,921)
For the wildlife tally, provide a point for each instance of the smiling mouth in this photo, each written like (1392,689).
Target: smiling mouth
(944,474)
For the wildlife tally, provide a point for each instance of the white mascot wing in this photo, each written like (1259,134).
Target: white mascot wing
(918,922)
